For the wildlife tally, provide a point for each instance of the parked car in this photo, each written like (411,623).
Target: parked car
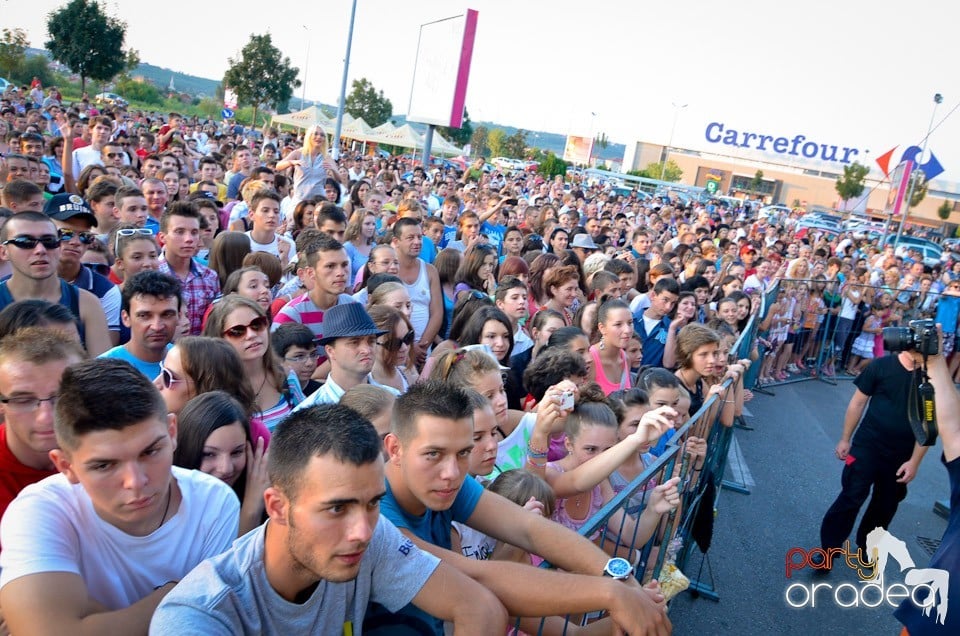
(773,213)
(110,98)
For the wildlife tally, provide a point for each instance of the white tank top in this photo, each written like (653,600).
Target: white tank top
(419,292)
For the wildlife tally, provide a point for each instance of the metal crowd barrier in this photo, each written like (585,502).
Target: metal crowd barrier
(825,336)
(679,530)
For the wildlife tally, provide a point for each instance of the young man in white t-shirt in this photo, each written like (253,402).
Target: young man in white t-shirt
(265,215)
(96,548)
(325,552)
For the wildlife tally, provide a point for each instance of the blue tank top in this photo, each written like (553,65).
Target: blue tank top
(69,298)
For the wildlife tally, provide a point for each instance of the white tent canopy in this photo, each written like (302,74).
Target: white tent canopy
(304,118)
(405,136)
(310,116)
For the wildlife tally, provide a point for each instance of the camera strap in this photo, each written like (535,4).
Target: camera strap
(921,408)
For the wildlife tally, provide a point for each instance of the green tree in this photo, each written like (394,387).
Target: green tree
(496,142)
(515,146)
(944,210)
(13,50)
(478,142)
(261,76)
(757,182)
(144,92)
(459,136)
(655,169)
(365,101)
(87,40)
(552,165)
(35,66)
(850,185)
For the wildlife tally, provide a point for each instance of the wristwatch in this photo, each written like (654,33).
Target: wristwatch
(618,568)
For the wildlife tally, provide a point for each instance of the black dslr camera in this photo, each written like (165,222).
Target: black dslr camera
(918,335)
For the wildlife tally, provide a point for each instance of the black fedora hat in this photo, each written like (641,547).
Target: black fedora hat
(347,320)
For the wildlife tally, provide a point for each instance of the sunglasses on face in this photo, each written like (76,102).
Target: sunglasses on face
(239,331)
(394,344)
(26,242)
(168,379)
(85,237)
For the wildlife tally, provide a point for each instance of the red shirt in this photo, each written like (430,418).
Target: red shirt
(163,131)
(14,476)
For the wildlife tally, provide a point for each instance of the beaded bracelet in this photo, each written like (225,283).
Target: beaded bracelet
(536,452)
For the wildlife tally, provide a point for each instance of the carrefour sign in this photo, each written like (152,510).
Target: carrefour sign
(797,146)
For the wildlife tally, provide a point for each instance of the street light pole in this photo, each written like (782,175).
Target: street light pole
(343,84)
(306,64)
(666,152)
(937,99)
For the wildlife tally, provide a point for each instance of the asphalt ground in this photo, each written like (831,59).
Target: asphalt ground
(794,476)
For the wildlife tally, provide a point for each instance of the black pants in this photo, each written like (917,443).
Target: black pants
(868,470)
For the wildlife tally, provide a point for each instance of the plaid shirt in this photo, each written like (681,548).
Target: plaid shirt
(200,287)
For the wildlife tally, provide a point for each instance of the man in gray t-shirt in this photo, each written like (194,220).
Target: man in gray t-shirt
(325,552)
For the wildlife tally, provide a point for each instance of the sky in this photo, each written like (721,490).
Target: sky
(852,73)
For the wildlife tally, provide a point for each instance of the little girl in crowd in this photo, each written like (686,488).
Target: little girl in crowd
(861,353)
(582,487)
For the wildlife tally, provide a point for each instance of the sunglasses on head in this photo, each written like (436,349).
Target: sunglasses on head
(26,242)
(130,232)
(258,324)
(394,344)
(85,237)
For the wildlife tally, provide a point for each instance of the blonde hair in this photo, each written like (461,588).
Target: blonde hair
(379,295)
(308,149)
(462,367)
(250,188)
(368,400)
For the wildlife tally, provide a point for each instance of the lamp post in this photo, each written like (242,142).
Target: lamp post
(666,151)
(306,64)
(343,84)
(937,100)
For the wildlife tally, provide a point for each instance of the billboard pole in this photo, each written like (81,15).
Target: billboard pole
(427,146)
(343,85)
(937,98)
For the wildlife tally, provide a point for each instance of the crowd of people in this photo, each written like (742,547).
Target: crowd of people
(284,389)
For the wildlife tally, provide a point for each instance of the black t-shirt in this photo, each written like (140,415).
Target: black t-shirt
(885,427)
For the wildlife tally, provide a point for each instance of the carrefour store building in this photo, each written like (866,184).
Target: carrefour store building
(796,171)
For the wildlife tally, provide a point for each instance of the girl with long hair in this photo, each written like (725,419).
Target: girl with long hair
(477,270)
(197,365)
(611,368)
(393,365)
(245,326)
(359,238)
(213,436)
(311,164)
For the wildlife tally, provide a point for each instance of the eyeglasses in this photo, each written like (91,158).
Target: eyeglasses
(300,358)
(258,324)
(168,379)
(68,235)
(130,232)
(394,344)
(26,242)
(114,155)
(27,403)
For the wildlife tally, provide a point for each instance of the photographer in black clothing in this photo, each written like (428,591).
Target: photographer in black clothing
(883,454)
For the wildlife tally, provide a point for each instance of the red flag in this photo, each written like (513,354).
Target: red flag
(884,161)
